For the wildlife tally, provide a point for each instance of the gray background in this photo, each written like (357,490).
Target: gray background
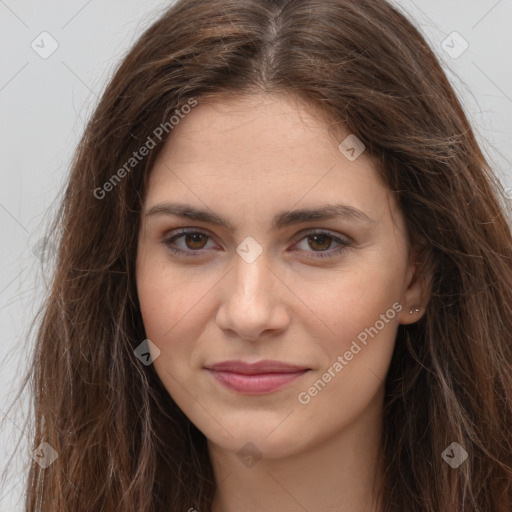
(44,104)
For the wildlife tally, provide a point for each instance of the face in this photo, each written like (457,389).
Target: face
(227,272)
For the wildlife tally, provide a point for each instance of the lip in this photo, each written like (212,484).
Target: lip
(255,378)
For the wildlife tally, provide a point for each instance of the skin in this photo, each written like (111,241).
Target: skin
(246,159)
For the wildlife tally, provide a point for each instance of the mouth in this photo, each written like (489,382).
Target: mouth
(255,378)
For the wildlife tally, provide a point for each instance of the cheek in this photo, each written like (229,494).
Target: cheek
(164,296)
(173,307)
(353,301)
(362,313)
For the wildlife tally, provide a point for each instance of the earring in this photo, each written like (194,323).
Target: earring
(414,311)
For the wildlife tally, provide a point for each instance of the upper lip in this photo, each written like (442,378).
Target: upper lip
(265,366)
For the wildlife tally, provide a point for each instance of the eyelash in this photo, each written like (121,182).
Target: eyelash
(344,245)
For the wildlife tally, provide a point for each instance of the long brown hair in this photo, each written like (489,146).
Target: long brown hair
(122,442)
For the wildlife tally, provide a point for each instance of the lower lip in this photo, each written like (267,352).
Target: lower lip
(255,384)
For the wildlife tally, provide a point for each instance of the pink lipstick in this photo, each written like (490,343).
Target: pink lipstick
(255,378)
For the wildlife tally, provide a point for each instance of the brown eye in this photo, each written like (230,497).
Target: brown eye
(195,241)
(320,242)
(187,243)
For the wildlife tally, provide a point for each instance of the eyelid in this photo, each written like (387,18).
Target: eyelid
(321,231)
(344,242)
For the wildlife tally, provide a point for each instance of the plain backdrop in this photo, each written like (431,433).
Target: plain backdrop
(45,101)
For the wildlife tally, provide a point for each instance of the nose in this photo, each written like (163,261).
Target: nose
(253,300)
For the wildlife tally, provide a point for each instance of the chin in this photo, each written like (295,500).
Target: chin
(253,441)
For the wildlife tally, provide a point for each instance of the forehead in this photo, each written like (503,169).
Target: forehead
(268,127)
(262,133)
(258,153)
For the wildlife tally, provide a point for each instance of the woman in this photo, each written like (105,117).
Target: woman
(283,281)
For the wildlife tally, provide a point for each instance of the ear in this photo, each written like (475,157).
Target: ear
(418,286)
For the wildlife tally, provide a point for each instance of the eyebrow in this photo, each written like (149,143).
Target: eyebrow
(280,220)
